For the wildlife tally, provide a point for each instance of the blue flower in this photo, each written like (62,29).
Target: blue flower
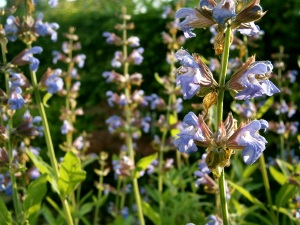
(26,57)
(44,29)
(214,220)
(155,101)
(80,59)
(53,82)
(11,28)
(187,25)
(252,80)
(18,80)
(66,127)
(115,98)
(52,3)
(247,109)
(222,143)
(34,173)
(192,75)
(30,126)
(136,56)
(34,62)
(253,143)
(133,41)
(16,101)
(78,143)
(117,60)
(112,38)
(146,123)
(210,13)
(8,189)
(114,122)
(190,133)
(223,11)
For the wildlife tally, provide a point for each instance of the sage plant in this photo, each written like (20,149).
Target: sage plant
(249,81)
(130,121)
(27,30)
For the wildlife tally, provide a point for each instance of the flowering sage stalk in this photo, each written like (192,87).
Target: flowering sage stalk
(249,81)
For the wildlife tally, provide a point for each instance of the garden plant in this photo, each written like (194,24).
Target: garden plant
(162,131)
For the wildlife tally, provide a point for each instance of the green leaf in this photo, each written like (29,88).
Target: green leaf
(48,215)
(263,109)
(158,79)
(44,168)
(284,194)
(247,194)
(150,213)
(46,97)
(262,218)
(143,163)
(249,170)
(5,216)
(285,167)
(88,161)
(101,201)
(84,209)
(279,177)
(173,120)
(286,212)
(32,202)
(71,174)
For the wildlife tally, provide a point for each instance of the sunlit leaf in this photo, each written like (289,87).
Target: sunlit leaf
(264,108)
(44,168)
(84,209)
(150,213)
(249,170)
(71,174)
(173,120)
(247,194)
(279,177)
(285,193)
(46,97)
(285,167)
(286,212)
(144,162)
(32,202)
(158,78)
(5,216)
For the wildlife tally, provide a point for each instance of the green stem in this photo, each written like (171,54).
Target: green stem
(17,203)
(222,78)
(51,152)
(117,202)
(68,81)
(128,140)
(267,186)
(100,185)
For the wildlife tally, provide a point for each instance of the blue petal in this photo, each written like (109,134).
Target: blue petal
(186,59)
(191,119)
(185,144)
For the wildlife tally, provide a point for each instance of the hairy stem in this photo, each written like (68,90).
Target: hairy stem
(96,215)
(17,203)
(128,140)
(51,152)
(222,78)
